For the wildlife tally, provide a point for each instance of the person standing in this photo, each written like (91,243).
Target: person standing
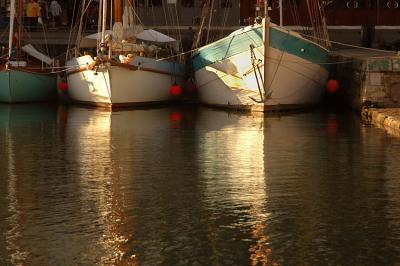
(55,11)
(44,10)
(32,13)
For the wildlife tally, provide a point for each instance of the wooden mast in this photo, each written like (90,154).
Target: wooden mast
(20,25)
(266,48)
(204,13)
(103,27)
(79,34)
(209,20)
(117,11)
(117,17)
(11,32)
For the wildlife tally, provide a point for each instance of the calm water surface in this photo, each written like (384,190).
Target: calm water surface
(195,186)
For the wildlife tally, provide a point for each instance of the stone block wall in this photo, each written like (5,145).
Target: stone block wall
(386,118)
(381,86)
(373,81)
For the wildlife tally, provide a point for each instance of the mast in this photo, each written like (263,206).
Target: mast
(99,19)
(103,27)
(20,24)
(117,11)
(266,46)
(204,13)
(318,22)
(209,20)
(79,34)
(11,32)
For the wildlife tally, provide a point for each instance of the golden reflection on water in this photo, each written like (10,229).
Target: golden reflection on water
(98,141)
(104,141)
(260,251)
(244,174)
(92,129)
(13,235)
(143,187)
(242,148)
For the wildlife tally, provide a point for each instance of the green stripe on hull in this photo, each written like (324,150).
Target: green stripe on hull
(299,47)
(18,86)
(239,43)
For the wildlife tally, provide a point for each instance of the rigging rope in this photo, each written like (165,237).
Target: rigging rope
(224,21)
(70,30)
(178,27)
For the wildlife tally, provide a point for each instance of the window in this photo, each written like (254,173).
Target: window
(187,3)
(296,3)
(353,4)
(383,4)
(392,4)
(139,3)
(204,2)
(226,3)
(155,2)
(326,4)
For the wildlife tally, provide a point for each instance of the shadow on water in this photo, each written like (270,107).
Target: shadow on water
(189,185)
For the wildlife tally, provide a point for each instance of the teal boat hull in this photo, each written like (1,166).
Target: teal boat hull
(233,72)
(19,86)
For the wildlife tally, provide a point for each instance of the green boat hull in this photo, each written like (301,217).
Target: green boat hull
(20,86)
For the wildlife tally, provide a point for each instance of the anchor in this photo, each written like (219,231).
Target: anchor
(256,68)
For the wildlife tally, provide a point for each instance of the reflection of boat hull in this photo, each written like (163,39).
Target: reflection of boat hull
(22,86)
(226,75)
(120,84)
(17,116)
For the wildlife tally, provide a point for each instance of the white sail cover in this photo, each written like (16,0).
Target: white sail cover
(118,32)
(154,36)
(30,50)
(128,24)
(127,17)
(96,36)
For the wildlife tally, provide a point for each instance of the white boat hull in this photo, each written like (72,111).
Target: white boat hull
(114,85)
(292,81)
(304,87)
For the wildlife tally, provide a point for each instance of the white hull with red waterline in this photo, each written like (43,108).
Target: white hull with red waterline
(143,81)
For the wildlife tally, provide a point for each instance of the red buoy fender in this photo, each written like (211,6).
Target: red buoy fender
(175,90)
(332,86)
(63,86)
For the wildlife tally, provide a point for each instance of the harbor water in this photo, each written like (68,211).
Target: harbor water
(195,186)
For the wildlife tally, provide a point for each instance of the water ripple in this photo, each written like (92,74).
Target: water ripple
(85,187)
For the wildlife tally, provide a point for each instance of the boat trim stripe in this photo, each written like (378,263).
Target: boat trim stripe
(240,43)
(128,66)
